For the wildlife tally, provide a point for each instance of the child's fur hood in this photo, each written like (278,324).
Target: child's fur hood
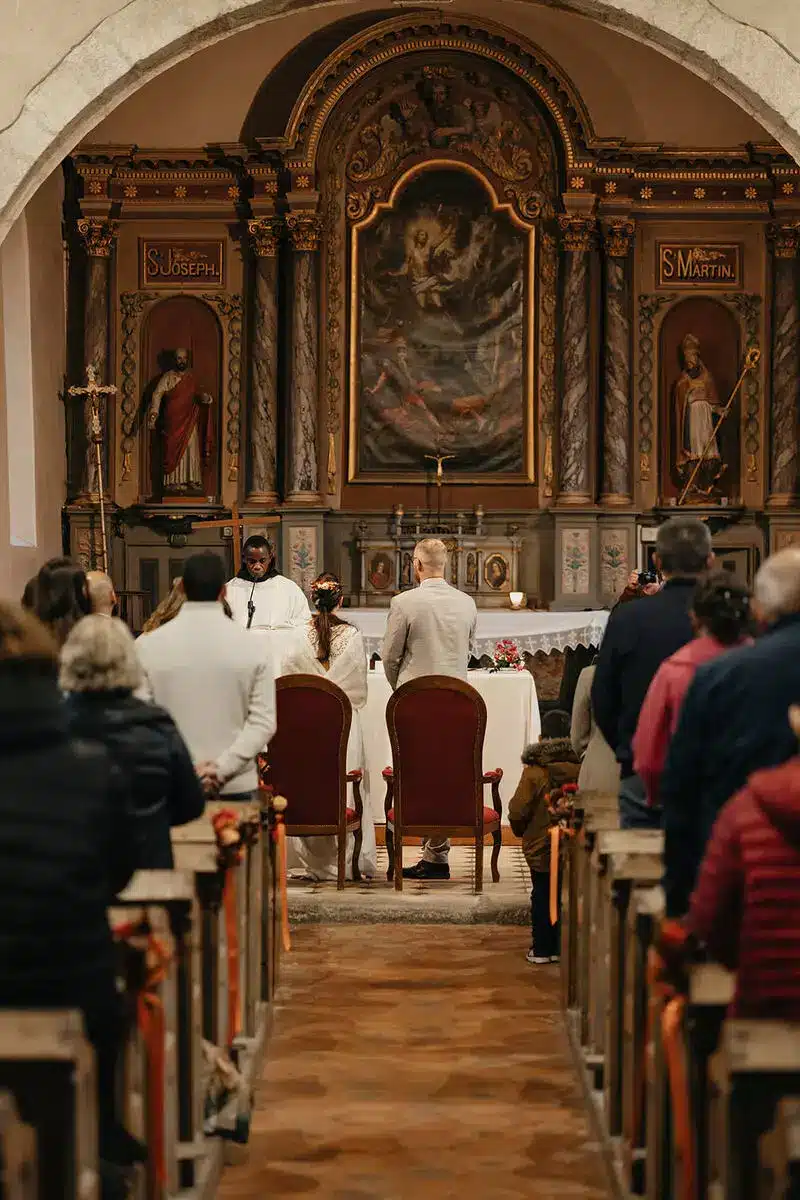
(541,754)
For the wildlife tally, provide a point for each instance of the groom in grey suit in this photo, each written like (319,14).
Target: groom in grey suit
(430,631)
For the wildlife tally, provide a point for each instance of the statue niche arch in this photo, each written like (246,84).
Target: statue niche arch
(441,330)
(181,454)
(700,352)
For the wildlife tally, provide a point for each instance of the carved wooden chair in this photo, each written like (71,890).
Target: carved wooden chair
(307,760)
(435,785)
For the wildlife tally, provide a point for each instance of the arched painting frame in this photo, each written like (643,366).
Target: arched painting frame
(442,332)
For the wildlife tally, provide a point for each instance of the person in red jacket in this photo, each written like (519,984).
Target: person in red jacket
(720,616)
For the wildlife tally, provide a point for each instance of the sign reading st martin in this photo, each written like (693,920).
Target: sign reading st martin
(168,262)
(687,264)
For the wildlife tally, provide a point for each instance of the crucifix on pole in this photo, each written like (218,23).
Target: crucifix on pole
(439,459)
(92,392)
(236,526)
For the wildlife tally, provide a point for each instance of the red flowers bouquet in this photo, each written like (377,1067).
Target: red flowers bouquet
(506,657)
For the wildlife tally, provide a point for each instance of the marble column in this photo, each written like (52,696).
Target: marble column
(97,236)
(262,462)
(784,465)
(575,445)
(617,295)
(303,471)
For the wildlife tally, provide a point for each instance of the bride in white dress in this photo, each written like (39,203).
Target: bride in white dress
(333,649)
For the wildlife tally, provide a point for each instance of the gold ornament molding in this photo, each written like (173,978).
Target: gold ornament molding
(305,230)
(578,234)
(618,234)
(97,235)
(265,234)
(784,238)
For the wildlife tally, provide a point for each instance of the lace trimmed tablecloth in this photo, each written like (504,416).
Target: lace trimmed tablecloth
(532,632)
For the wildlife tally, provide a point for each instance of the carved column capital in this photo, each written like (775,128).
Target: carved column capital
(618,236)
(784,238)
(97,235)
(265,234)
(578,234)
(305,230)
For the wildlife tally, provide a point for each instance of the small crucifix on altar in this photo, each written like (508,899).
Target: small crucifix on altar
(92,393)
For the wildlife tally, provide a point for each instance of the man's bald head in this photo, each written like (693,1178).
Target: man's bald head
(777,585)
(102,596)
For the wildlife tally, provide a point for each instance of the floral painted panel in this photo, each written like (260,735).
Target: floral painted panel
(303,556)
(614,561)
(575,562)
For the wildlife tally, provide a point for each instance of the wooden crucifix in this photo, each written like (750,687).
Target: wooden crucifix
(236,525)
(92,392)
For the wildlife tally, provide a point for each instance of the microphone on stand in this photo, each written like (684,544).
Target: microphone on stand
(251,608)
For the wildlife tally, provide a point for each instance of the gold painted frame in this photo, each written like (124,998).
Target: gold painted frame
(528,474)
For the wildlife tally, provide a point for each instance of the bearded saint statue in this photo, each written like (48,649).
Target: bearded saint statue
(186,425)
(696,405)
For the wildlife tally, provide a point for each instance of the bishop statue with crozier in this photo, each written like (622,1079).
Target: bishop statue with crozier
(187,427)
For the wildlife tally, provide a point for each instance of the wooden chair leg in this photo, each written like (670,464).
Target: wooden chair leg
(398,859)
(358,837)
(341,846)
(479,862)
(390,853)
(497,839)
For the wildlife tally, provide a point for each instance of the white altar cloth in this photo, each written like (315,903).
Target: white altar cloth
(512,722)
(530,631)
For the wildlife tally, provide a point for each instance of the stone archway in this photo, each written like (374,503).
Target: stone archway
(70,87)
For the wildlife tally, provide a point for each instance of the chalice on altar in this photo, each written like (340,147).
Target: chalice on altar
(518,599)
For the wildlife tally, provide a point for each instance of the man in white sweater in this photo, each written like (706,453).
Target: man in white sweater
(430,631)
(265,601)
(215,680)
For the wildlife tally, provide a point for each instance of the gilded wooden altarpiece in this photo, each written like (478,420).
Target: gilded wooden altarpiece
(392,131)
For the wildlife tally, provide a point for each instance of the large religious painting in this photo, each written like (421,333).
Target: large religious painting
(180,409)
(441,333)
(700,350)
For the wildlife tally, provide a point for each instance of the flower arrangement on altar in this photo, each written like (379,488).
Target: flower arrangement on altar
(506,657)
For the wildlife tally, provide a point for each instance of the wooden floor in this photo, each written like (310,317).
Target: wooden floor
(418,1063)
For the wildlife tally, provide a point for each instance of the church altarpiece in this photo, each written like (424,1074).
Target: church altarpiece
(436,264)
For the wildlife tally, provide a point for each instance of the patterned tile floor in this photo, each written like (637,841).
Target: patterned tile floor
(453,901)
(418,1064)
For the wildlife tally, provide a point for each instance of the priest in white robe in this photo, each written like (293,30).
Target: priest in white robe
(265,601)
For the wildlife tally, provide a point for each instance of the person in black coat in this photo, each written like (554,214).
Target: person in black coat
(100,671)
(638,637)
(66,850)
(733,722)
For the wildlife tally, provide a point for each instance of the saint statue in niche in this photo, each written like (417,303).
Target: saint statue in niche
(697,406)
(186,426)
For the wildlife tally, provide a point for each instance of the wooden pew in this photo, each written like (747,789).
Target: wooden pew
(608,901)
(19,1176)
(756,1066)
(47,1064)
(645,911)
(779,1154)
(167,899)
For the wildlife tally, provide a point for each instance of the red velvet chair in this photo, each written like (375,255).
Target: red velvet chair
(435,786)
(307,762)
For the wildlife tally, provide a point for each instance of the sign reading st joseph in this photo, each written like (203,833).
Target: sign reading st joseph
(180,262)
(689,264)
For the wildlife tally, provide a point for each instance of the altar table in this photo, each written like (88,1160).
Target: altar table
(512,722)
(532,632)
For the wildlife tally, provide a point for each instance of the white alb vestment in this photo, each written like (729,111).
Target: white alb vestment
(347,668)
(280,609)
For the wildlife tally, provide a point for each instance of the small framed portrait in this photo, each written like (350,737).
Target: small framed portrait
(496,573)
(380,572)
(407,570)
(472,571)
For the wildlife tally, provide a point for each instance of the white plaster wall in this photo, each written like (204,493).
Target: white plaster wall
(624,84)
(65,64)
(43,293)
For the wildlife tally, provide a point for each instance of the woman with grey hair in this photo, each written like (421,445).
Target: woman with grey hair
(100,671)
